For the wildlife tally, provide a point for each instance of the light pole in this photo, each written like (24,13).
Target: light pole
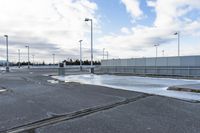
(178,34)
(156,45)
(80,55)
(33,59)
(19,58)
(53,59)
(107,55)
(103,52)
(28,56)
(163,53)
(87,19)
(7,61)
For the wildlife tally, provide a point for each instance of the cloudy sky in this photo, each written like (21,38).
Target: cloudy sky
(125,28)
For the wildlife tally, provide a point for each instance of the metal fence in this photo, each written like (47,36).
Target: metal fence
(170,66)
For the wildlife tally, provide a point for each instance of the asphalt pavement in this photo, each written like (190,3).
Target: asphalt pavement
(32,101)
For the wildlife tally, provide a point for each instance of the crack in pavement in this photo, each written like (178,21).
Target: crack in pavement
(30,127)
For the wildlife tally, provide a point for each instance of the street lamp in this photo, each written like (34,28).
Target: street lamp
(80,55)
(53,59)
(103,53)
(107,55)
(163,53)
(178,35)
(28,57)
(19,58)
(33,59)
(7,62)
(156,45)
(87,19)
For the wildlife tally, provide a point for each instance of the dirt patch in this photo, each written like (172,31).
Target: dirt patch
(185,89)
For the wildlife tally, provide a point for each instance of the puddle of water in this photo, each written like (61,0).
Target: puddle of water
(157,86)
(53,81)
(2,90)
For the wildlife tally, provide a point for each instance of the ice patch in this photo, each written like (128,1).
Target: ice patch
(2,90)
(157,86)
(53,81)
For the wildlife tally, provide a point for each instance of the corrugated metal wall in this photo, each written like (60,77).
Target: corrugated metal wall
(182,66)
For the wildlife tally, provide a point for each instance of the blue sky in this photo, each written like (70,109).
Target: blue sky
(114,16)
(125,28)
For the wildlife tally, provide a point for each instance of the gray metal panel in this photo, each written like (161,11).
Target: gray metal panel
(124,62)
(187,61)
(109,63)
(130,62)
(197,61)
(103,63)
(162,61)
(150,61)
(173,61)
(140,62)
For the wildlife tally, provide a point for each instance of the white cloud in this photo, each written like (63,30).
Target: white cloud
(125,30)
(168,12)
(56,26)
(171,16)
(57,23)
(133,7)
(151,3)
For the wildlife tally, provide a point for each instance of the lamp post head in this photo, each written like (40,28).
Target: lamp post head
(156,45)
(26,46)
(5,35)
(176,33)
(87,19)
(80,41)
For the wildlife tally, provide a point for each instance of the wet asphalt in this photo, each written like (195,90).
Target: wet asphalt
(31,98)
